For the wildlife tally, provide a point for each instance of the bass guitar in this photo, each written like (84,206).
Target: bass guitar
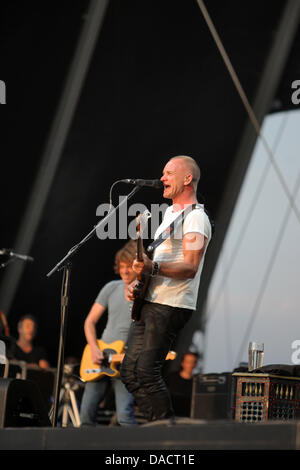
(141,286)
(113,355)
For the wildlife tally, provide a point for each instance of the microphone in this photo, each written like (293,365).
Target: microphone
(11,253)
(139,182)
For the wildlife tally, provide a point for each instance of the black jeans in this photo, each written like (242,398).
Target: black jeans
(150,339)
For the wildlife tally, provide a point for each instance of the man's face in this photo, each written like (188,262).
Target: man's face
(189,362)
(173,179)
(126,272)
(27,329)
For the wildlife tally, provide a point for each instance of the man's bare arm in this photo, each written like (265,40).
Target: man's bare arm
(193,250)
(91,320)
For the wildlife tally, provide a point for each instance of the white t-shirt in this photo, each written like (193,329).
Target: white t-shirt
(178,292)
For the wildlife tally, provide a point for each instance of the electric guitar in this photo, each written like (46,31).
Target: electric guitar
(141,286)
(113,356)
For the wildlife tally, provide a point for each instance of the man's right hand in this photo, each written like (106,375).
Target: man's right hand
(130,291)
(97,355)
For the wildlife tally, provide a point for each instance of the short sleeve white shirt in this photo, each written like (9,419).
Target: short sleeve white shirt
(181,293)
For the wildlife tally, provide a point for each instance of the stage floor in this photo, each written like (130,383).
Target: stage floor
(184,434)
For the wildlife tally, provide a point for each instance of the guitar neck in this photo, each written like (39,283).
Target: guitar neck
(119,357)
(140,249)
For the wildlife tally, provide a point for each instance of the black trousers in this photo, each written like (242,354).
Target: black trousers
(150,339)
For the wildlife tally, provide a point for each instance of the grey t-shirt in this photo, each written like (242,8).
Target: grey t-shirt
(112,297)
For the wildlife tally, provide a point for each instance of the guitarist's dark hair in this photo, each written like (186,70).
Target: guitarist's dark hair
(126,255)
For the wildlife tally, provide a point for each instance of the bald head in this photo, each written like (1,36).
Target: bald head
(191,166)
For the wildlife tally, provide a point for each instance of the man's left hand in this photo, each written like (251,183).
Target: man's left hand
(142,267)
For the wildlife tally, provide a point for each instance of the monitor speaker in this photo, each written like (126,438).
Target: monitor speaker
(212,396)
(21,404)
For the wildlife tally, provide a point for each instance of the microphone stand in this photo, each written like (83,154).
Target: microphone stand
(13,256)
(3,265)
(65,264)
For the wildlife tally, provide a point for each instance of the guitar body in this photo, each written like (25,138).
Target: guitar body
(140,290)
(90,372)
(113,356)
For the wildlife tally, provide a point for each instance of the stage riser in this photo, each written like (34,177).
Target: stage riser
(205,436)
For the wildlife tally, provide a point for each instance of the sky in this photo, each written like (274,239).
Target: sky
(255,291)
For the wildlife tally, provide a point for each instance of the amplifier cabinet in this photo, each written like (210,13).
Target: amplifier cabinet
(212,396)
(262,397)
(21,404)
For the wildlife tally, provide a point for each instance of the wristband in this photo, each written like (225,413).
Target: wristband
(155,268)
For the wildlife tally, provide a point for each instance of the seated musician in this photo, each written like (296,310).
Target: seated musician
(24,349)
(113,298)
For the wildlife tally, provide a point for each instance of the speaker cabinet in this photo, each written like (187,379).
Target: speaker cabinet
(21,404)
(212,396)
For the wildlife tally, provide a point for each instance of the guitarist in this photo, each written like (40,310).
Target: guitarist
(114,297)
(175,271)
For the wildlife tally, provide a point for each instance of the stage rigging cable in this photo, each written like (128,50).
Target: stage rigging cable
(246,103)
(269,268)
(290,196)
(251,210)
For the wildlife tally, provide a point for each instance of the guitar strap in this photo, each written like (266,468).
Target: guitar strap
(169,230)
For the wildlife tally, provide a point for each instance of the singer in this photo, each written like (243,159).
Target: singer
(171,298)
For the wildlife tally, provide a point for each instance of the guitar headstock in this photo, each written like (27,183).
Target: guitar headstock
(141,222)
